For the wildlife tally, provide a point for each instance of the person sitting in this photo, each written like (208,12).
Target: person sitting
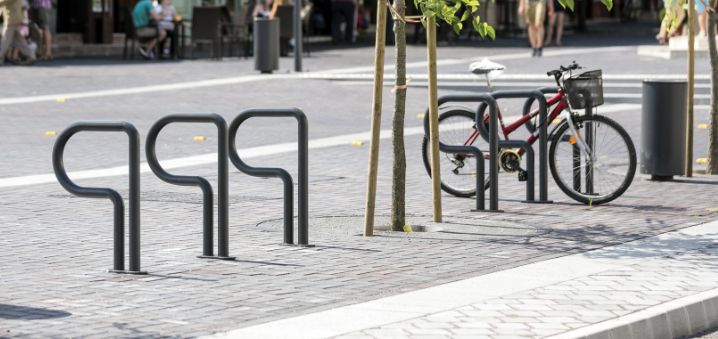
(13,16)
(166,11)
(145,20)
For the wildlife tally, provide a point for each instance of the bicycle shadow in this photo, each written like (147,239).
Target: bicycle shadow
(17,312)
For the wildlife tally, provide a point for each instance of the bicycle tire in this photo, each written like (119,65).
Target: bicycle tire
(446,187)
(630,171)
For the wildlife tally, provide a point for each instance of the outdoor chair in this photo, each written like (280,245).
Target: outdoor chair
(207,29)
(285,14)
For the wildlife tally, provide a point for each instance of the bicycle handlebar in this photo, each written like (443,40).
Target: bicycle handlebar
(557,73)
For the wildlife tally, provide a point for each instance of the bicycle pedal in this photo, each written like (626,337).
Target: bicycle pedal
(523,175)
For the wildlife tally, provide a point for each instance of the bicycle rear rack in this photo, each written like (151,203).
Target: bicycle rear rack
(97,192)
(273,172)
(202,183)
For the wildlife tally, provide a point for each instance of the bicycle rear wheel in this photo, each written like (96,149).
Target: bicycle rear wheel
(458,171)
(613,167)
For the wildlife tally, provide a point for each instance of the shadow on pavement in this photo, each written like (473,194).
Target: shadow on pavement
(17,312)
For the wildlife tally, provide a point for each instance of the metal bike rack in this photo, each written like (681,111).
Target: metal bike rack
(543,135)
(202,183)
(273,172)
(493,148)
(97,192)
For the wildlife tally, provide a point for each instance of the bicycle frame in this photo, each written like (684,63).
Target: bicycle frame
(558,99)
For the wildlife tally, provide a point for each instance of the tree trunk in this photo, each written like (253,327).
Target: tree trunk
(398,187)
(713,52)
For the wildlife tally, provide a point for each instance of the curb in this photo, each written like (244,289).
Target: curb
(674,319)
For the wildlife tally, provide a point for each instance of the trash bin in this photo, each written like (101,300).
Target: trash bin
(266,44)
(663,128)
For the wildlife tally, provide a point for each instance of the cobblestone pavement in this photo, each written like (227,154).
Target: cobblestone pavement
(656,272)
(54,247)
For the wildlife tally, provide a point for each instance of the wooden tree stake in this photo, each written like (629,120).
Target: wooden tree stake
(433,117)
(375,117)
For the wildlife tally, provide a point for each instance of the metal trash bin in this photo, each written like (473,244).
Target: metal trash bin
(663,128)
(266,44)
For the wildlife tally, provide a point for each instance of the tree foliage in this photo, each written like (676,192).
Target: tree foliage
(460,13)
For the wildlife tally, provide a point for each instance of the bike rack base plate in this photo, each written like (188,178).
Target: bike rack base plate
(127,272)
(215,257)
(537,202)
(488,211)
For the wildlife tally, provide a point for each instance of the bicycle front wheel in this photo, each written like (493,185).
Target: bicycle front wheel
(596,179)
(458,171)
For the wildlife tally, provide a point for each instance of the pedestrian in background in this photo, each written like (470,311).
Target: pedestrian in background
(555,20)
(13,17)
(343,11)
(41,16)
(535,13)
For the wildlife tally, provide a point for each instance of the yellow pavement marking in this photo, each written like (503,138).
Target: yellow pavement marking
(702,160)
(407,228)
(712,209)
(50,133)
(60,100)
(420,116)
(200,138)
(702,126)
(357,143)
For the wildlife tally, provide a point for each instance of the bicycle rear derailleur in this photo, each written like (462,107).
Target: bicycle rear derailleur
(510,162)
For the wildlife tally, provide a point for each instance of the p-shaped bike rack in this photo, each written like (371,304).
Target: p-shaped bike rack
(268,172)
(202,183)
(96,192)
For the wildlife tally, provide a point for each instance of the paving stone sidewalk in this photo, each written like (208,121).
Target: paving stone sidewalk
(642,278)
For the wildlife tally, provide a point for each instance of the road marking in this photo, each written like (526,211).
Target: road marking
(479,83)
(247,153)
(62,97)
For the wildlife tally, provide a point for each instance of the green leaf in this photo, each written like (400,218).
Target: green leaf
(465,16)
(567,4)
(490,31)
(608,4)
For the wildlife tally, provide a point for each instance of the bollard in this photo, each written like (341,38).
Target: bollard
(202,183)
(271,172)
(96,192)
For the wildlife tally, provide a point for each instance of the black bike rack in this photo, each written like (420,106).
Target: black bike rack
(273,172)
(202,183)
(543,135)
(97,192)
(493,148)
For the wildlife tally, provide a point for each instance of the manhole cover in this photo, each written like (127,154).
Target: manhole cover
(354,225)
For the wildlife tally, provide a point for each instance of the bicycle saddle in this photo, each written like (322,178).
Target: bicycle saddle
(486,66)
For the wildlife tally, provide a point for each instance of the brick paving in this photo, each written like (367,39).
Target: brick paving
(662,275)
(54,247)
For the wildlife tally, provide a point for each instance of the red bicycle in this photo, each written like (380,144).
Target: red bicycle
(591,157)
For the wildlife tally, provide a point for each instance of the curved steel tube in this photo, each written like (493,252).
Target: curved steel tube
(273,172)
(202,183)
(96,192)
(493,147)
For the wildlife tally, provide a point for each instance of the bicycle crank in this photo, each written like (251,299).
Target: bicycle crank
(510,162)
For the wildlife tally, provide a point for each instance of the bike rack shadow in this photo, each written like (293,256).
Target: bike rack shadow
(274,172)
(202,183)
(17,312)
(95,192)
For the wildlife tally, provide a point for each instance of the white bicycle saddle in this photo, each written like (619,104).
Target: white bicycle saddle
(487,67)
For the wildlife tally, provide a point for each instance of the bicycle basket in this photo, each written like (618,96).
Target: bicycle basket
(588,84)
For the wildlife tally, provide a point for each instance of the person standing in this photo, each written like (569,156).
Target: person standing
(145,20)
(555,20)
(343,10)
(40,13)
(535,12)
(11,38)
